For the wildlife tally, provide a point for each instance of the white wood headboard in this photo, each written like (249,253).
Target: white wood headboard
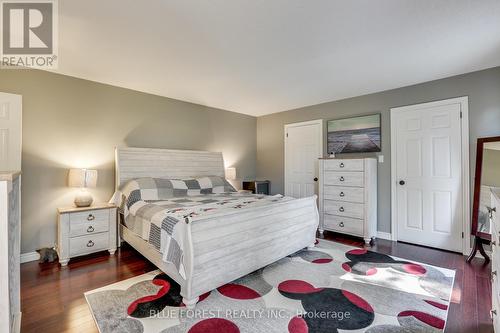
(133,163)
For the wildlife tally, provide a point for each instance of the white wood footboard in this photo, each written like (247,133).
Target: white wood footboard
(234,245)
(221,249)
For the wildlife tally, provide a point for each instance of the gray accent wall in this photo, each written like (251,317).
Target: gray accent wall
(70,122)
(483,89)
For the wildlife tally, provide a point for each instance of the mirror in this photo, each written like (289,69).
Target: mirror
(487,178)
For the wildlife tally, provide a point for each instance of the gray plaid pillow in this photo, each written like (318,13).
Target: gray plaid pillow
(214,184)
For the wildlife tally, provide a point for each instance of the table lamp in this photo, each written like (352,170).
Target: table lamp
(83,178)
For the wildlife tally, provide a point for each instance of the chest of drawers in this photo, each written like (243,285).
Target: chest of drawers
(495,257)
(86,230)
(348,196)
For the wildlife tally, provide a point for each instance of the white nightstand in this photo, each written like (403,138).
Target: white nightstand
(84,230)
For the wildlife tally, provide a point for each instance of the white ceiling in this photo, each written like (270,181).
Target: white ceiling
(263,56)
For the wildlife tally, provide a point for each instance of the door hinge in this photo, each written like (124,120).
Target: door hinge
(462,234)
(287,135)
(460,114)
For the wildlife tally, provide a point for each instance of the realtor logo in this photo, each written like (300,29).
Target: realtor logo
(29,34)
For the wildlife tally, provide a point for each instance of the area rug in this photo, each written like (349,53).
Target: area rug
(332,288)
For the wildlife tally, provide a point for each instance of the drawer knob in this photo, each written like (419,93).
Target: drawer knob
(90,243)
(493,313)
(341,178)
(341,224)
(90,217)
(341,209)
(342,165)
(342,194)
(90,229)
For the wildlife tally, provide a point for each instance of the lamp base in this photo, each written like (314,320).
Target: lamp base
(83,199)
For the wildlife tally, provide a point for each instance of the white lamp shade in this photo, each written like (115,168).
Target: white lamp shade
(82,178)
(231,173)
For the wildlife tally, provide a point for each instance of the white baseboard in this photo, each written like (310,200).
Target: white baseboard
(30,256)
(384,235)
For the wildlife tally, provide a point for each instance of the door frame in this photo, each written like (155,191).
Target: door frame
(464,124)
(285,133)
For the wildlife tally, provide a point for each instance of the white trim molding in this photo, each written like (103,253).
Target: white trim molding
(464,108)
(30,256)
(384,235)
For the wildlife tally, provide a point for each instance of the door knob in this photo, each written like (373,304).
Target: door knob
(402,182)
(315,179)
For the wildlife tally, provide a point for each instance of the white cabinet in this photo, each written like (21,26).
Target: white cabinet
(495,257)
(86,230)
(10,241)
(348,196)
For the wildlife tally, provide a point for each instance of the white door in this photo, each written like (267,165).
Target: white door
(10,132)
(303,147)
(427,148)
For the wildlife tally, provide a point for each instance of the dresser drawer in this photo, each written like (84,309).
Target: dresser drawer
(345,165)
(343,224)
(495,313)
(339,193)
(344,178)
(86,244)
(347,209)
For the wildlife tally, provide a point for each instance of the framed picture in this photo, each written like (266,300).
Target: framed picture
(354,135)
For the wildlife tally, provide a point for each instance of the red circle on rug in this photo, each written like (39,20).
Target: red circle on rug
(425,318)
(214,325)
(297,287)
(358,301)
(414,269)
(297,325)
(371,271)
(346,267)
(237,291)
(437,305)
(322,261)
(357,252)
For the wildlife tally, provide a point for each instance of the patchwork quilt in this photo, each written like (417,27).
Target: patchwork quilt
(159,210)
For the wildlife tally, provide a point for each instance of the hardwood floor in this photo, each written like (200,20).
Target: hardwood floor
(52,297)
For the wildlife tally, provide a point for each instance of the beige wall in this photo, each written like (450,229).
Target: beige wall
(483,89)
(69,122)
(491,168)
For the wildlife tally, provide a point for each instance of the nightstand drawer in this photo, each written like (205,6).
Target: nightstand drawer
(97,216)
(87,244)
(88,228)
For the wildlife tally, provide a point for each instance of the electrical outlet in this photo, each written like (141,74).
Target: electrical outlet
(381,158)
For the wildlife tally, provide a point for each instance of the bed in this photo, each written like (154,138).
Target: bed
(220,246)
